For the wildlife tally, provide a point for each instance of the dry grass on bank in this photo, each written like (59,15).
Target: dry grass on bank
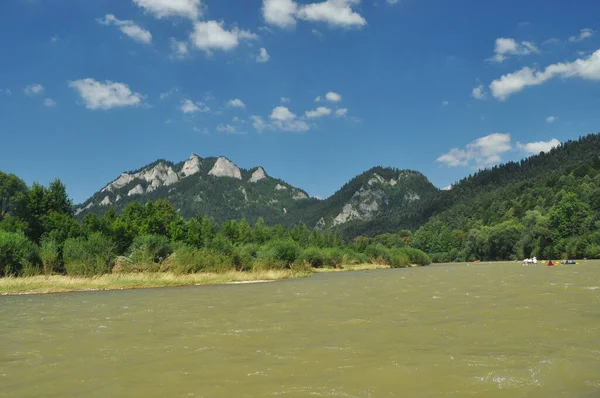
(62,283)
(353,267)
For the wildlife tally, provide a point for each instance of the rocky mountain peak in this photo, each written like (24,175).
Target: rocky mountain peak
(191,166)
(259,174)
(225,168)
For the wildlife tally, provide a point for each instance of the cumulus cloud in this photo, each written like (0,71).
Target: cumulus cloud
(506,47)
(210,35)
(226,128)
(282,113)
(169,93)
(333,97)
(584,68)
(49,103)
(281,13)
(105,95)
(263,56)
(285,120)
(335,13)
(482,152)
(341,112)
(258,123)
(284,100)
(5,91)
(236,103)
(179,49)
(319,112)
(188,106)
(445,103)
(129,28)
(34,89)
(551,119)
(191,9)
(478,92)
(540,146)
(584,34)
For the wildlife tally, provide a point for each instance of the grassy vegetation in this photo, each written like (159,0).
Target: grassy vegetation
(41,284)
(63,283)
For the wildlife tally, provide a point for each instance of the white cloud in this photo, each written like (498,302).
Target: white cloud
(280,13)
(320,35)
(482,152)
(129,28)
(392,2)
(318,99)
(282,113)
(285,120)
(226,128)
(584,68)
(179,49)
(584,34)
(551,119)
(236,103)
(320,111)
(191,9)
(6,91)
(341,112)
(478,92)
(258,123)
(105,95)
(284,100)
(169,93)
(506,46)
(540,146)
(211,35)
(336,13)
(333,97)
(34,89)
(54,39)
(188,106)
(263,56)
(49,103)
(445,103)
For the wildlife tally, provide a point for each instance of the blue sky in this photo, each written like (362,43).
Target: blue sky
(314,91)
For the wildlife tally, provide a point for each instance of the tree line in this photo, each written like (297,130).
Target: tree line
(39,234)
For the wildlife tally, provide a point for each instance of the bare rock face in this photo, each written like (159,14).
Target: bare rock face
(80,210)
(138,190)
(364,204)
(118,198)
(259,174)
(411,196)
(120,182)
(191,166)
(299,195)
(280,187)
(106,201)
(225,168)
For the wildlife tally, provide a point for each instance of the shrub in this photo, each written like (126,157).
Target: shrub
(399,259)
(86,257)
(416,256)
(222,245)
(283,251)
(18,255)
(50,255)
(354,257)
(378,254)
(334,257)
(243,257)
(148,250)
(314,256)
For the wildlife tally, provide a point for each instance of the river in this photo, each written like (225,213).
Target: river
(460,330)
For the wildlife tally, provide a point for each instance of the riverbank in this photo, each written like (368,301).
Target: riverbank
(64,284)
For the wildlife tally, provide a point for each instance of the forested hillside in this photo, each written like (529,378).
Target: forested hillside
(546,206)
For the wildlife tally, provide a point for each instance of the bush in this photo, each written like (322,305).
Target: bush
(280,251)
(334,257)
(18,255)
(354,257)
(314,256)
(149,250)
(50,255)
(243,257)
(398,258)
(378,254)
(416,256)
(87,257)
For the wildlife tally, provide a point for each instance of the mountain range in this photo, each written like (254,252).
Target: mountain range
(380,200)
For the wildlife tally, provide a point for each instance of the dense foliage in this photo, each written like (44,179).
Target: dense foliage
(39,234)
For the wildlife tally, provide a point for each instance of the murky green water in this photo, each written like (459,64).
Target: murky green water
(484,330)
